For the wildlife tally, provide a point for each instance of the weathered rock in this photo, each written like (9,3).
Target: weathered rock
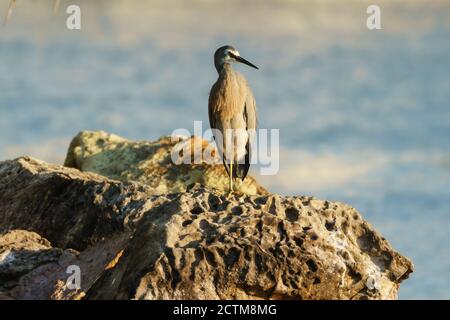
(70,208)
(150,163)
(198,244)
(23,251)
(31,269)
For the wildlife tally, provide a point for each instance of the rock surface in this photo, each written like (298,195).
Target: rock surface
(150,163)
(132,243)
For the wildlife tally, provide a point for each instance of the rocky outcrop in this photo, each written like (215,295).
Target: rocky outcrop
(150,163)
(130,242)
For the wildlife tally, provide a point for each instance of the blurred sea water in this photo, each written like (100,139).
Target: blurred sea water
(364,116)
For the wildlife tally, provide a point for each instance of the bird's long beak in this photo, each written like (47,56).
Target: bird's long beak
(242,60)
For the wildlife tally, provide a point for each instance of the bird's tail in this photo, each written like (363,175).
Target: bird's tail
(241,170)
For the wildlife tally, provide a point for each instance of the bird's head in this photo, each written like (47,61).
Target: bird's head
(228,54)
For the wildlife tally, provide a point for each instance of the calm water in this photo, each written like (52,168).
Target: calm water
(364,116)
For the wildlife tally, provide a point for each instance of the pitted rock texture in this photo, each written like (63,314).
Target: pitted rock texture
(198,244)
(151,163)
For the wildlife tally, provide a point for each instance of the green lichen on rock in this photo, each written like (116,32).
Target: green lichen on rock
(149,163)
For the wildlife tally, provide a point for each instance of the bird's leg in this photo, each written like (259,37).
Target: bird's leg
(231,175)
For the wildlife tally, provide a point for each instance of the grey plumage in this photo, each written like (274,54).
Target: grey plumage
(232,106)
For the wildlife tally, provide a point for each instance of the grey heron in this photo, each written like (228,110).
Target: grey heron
(232,113)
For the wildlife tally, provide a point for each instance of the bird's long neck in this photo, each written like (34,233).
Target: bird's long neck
(227,77)
(223,68)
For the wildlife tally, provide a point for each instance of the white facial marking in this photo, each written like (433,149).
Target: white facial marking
(235,52)
(227,56)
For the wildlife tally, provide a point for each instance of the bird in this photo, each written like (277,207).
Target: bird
(232,113)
